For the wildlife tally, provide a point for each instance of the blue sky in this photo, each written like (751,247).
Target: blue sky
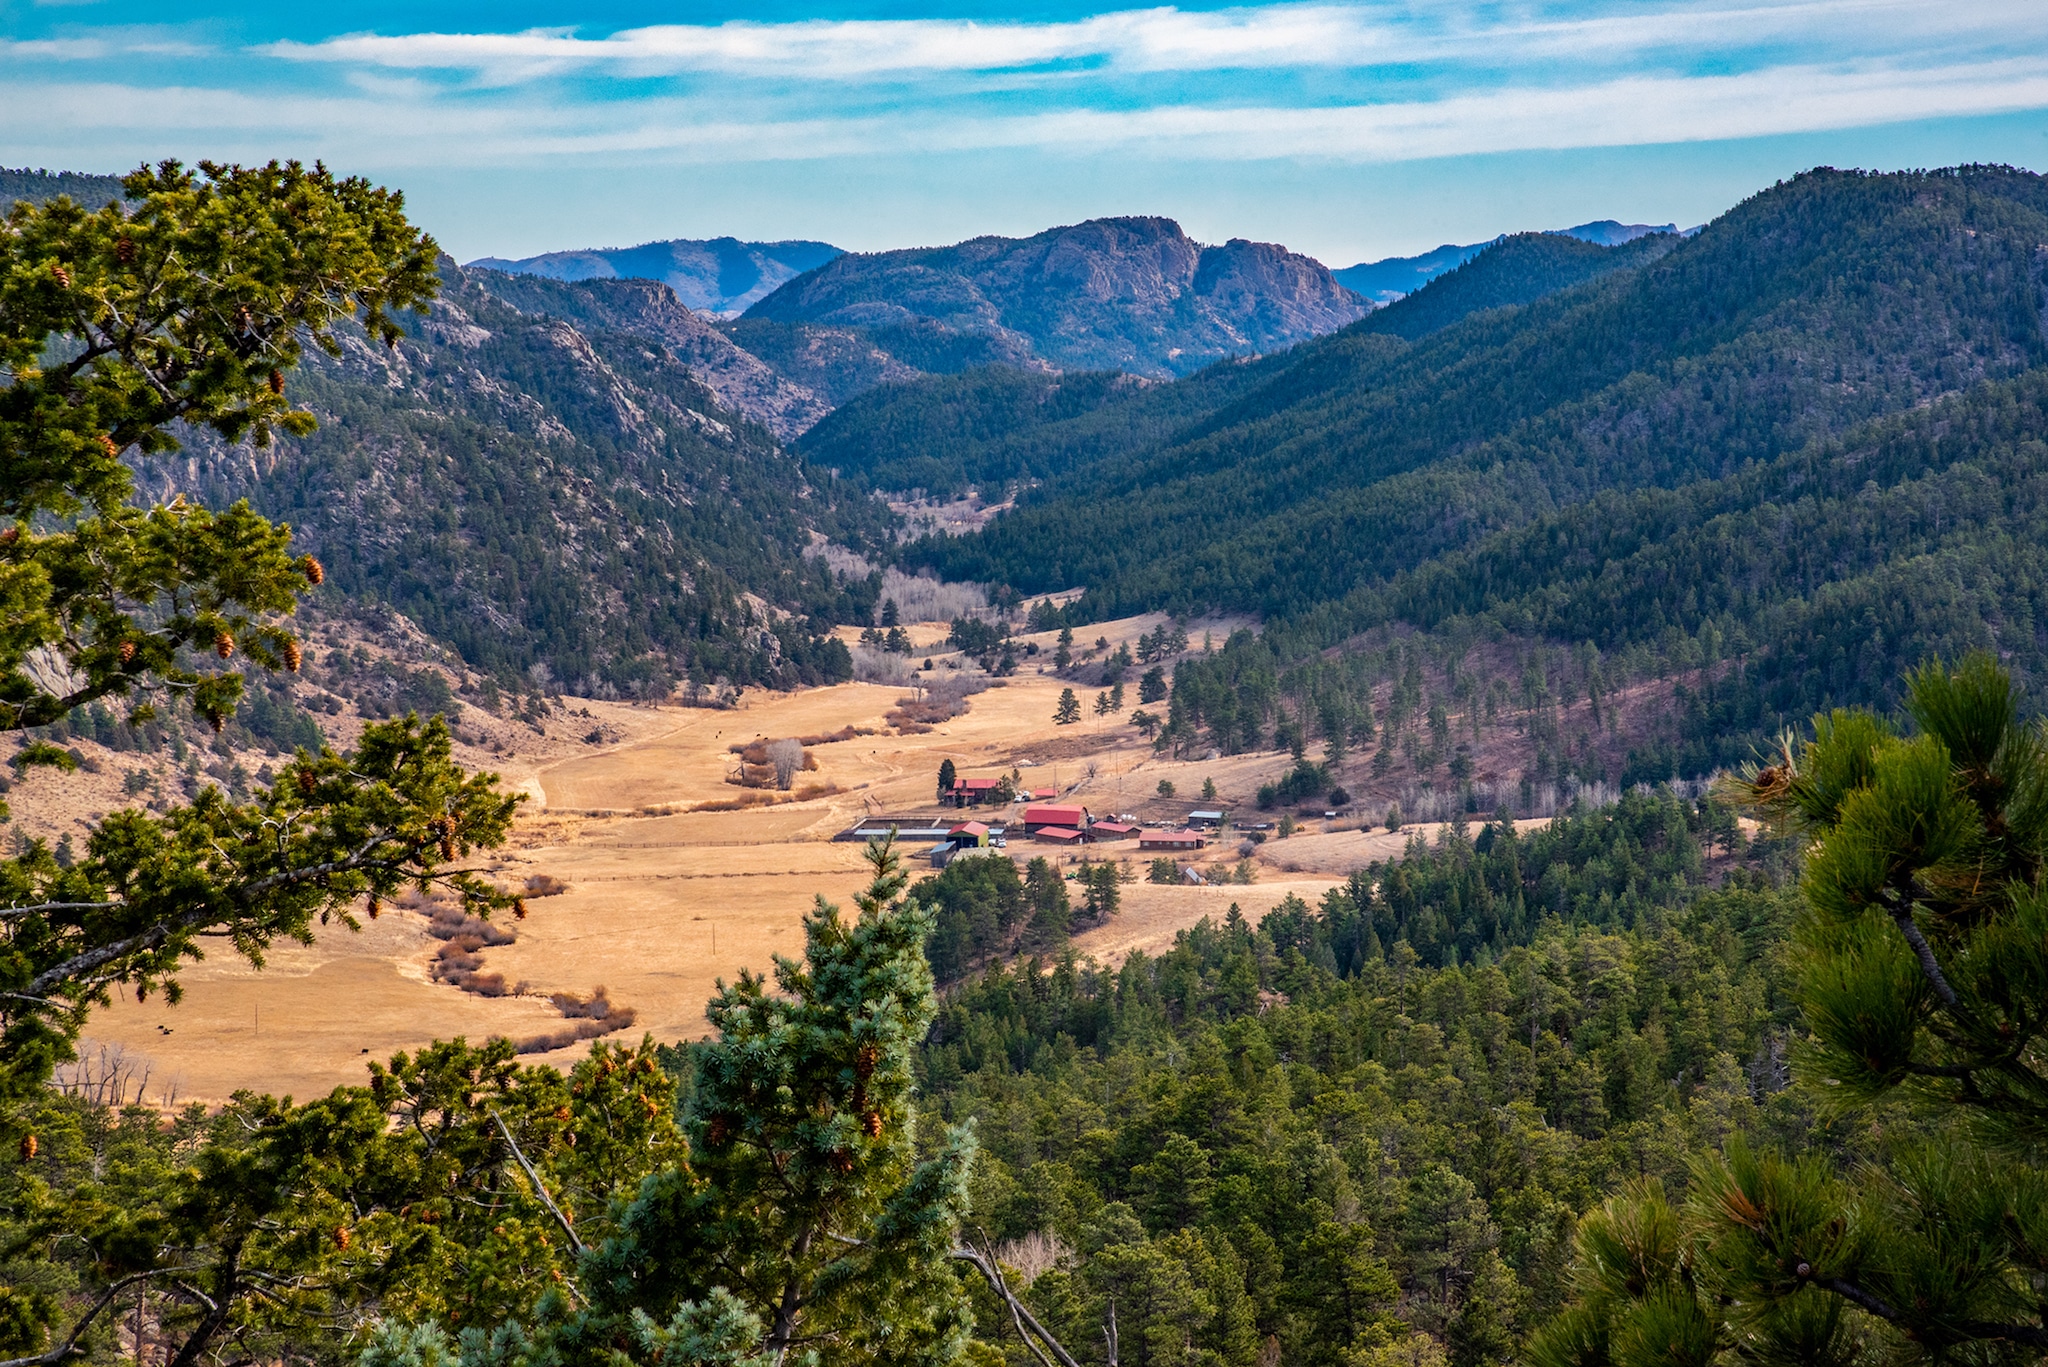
(1349,131)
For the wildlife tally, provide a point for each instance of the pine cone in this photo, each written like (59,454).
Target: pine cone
(872,1123)
(124,250)
(60,275)
(223,644)
(341,1237)
(127,652)
(375,907)
(277,382)
(292,656)
(864,1060)
(110,446)
(519,908)
(311,567)
(28,1147)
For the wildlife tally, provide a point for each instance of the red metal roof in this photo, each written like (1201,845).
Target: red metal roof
(1193,838)
(1062,814)
(969,828)
(976,784)
(1059,835)
(1043,794)
(1112,830)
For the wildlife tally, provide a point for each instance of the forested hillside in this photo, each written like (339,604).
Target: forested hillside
(1381,1115)
(89,191)
(1515,270)
(556,499)
(1688,457)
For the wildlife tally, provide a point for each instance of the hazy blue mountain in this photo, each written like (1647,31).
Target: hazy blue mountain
(1130,294)
(1513,270)
(720,276)
(1609,233)
(1387,280)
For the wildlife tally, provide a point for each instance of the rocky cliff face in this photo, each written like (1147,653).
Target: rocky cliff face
(1132,294)
(741,381)
(720,276)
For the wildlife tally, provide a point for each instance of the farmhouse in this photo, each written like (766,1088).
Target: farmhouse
(1171,841)
(973,792)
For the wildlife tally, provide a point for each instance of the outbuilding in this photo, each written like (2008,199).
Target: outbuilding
(1206,819)
(1101,832)
(1055,814)
(1058,835)
(1173,842)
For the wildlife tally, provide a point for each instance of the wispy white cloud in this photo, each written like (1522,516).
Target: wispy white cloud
(1161,40)
(403,125)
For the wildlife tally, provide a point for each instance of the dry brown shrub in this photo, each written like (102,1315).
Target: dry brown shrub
(589,1017)
(756,751)
(545,885)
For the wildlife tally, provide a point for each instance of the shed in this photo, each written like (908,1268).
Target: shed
(1172,840)
(1205,818)
(1101,831)
(1058,835)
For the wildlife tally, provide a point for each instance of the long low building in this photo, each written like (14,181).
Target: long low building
(913,828)
(1069,814)
(1172,841)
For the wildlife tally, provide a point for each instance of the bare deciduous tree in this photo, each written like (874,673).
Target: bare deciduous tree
(788,757)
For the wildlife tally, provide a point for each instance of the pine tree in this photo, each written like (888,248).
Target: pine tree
(1921,961)
(808,1196)
(946,776)
(1069,710)
(1064,655)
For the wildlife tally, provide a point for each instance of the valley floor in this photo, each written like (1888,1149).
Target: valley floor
(665,898)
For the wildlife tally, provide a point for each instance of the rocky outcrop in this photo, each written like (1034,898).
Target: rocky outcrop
(1132,294)
(742,381)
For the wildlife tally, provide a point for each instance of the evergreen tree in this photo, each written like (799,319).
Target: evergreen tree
(1069,710)
(1921,954)
(947,774)
(811,1220)
(1064,654)
(188,304)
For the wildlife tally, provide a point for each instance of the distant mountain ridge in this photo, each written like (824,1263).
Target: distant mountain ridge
(1131,294)
(1389,279)
(720,275)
